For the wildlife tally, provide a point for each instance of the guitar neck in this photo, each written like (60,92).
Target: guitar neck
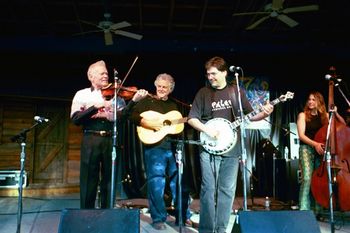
(238,122)
(179,121)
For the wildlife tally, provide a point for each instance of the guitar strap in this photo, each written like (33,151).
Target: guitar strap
(233,95)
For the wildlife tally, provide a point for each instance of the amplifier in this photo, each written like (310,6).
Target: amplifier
(10,179)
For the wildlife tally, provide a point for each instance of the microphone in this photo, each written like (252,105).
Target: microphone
(234,68)
(333,78)
(115,73)
(41,119)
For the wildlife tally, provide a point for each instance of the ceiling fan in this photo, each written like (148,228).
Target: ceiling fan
(108,27)
(275,10)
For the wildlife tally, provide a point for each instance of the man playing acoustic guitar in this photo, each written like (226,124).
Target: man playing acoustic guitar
(157,118)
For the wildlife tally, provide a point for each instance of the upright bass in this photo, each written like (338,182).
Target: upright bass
(339,149)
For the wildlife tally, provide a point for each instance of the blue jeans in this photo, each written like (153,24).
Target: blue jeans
(219,179)
(159,163)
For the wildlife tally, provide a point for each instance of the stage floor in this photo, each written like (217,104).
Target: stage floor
(42,215)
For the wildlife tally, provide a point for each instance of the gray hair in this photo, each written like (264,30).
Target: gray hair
(91,69)
(166,77)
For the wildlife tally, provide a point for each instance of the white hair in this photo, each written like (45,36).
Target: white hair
(166,77)
(91,69)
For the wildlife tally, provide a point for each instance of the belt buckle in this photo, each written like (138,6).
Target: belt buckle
(103,133)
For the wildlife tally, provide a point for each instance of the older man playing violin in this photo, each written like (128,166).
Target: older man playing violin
(96,116)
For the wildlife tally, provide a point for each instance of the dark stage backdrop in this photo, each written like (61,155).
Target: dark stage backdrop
(59,74)
(131,167)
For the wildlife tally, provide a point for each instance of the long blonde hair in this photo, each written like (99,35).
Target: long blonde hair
(320,107)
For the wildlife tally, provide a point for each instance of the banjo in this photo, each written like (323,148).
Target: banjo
(227,137)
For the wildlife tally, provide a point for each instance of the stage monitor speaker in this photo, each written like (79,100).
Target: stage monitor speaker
(99,221)
(276,222)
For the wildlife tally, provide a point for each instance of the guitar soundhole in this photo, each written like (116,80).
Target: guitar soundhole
(166,122)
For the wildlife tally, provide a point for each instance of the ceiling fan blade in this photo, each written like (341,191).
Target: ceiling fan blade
(89,23)
(120,25)
(251,13)
(87,32)
(301,9)
(287,20)
(108,37)
(128,34)
(277,5)
(259,21)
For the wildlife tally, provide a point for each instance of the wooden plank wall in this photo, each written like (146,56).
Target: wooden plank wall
(52,149)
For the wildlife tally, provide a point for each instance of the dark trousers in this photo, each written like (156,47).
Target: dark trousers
(95,168)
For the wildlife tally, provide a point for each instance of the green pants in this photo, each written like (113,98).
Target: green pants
(308,160)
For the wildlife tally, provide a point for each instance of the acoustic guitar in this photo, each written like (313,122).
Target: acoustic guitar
(173,123)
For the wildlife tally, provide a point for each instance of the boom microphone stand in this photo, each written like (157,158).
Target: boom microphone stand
(21,138)
(342,93)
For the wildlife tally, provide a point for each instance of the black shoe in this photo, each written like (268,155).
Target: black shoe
(320,218)
(187,223)
(159,226)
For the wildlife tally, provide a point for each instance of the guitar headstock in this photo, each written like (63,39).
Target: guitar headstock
(287,96)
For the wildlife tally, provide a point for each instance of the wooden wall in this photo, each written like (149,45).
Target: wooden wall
(52,149)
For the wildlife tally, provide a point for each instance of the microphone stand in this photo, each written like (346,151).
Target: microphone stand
(117,82)
(286,131)
(342,93)
(179,149)
(21,138)
(115,136)
(244,152)
(327,156)
(179,161)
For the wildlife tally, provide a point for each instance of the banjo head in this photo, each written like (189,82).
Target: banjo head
(226,140)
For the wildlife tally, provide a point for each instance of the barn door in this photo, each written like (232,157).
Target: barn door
(50,147)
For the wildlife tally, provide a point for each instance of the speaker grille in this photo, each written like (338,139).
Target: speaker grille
(99,221)
(276,222)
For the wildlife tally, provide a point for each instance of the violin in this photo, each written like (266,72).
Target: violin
(126,93)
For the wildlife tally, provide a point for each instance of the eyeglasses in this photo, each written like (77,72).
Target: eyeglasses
(211,74)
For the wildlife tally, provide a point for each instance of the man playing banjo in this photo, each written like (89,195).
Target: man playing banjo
(219,168)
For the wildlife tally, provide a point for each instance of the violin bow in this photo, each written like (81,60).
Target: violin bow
(127,74)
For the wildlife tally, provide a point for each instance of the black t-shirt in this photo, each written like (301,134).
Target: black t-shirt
(160,106)
(212,103)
